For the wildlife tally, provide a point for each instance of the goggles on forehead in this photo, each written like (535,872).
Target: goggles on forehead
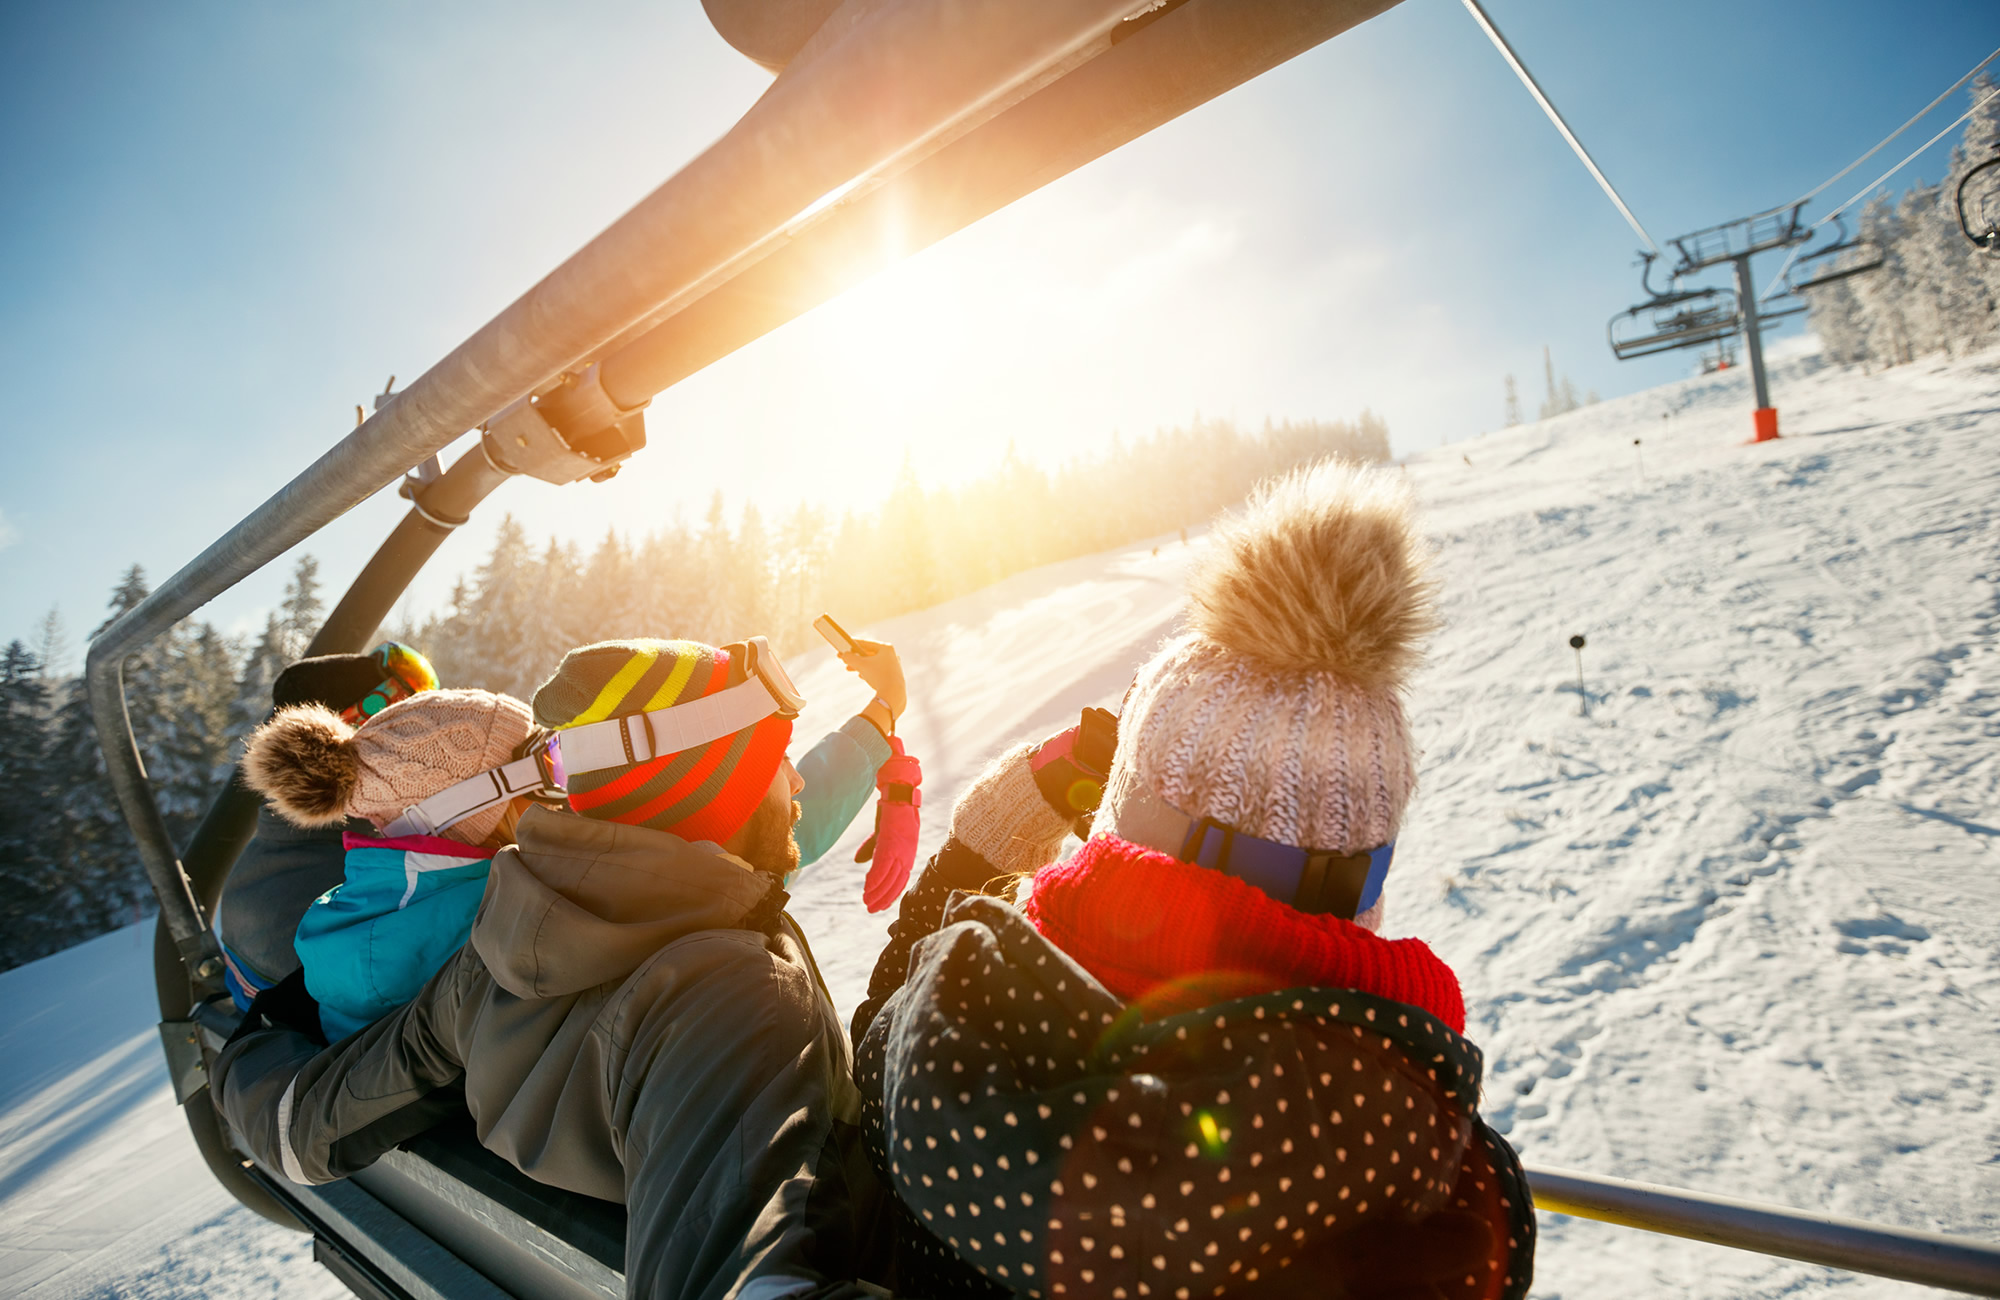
(766,689)
(404,673)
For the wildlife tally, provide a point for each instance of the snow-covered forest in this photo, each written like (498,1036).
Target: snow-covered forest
(1934,292)
(68,867)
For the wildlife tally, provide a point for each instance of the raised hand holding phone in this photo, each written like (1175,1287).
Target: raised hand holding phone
(892,850)
(876,663)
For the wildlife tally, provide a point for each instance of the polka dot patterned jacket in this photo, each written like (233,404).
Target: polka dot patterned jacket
(1045,1138)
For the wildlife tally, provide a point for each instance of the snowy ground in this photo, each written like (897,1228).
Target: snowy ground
(1738,929)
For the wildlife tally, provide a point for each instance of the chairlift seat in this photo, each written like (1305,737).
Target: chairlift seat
(1682,318)
(443,1217)
(1845,256)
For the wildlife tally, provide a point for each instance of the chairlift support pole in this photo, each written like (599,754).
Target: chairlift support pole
(1766,417)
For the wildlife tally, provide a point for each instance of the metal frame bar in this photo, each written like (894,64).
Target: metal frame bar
(1149,70)
(822,129)
(1927,1258)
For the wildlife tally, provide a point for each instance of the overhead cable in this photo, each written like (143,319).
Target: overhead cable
(1528,80)
(1869,188)
(1816,190)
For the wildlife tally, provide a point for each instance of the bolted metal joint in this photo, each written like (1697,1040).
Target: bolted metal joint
(572,431)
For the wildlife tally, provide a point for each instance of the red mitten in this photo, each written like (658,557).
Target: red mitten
(893,846)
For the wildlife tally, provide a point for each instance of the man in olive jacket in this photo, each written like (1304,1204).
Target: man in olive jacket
(635,1018)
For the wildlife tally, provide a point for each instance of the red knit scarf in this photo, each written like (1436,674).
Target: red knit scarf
(1174,937)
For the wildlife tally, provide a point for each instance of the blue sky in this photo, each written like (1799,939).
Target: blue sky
(224,226)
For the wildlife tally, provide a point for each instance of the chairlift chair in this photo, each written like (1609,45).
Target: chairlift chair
(1980,220)
(1681,319)
(1670,318)
(1845,256)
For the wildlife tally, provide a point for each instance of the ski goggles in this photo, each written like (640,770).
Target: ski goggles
(404,673)
(766,689)
(1313,881)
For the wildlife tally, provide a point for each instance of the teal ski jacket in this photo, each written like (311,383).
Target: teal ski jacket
(406,905)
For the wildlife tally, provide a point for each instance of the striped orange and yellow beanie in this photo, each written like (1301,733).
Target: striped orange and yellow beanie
(705,793)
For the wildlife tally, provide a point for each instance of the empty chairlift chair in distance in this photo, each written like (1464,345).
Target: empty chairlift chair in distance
(1845,256)
(1979,205)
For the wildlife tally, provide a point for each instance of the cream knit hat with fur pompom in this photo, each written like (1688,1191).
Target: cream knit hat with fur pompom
(1279,711)
(317,770)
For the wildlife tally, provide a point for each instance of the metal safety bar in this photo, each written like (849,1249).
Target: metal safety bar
(824,128)
(1927,1258)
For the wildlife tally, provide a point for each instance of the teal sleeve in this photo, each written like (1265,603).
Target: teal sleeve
(839,774)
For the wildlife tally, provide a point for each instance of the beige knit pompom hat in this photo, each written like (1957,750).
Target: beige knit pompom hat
(317,770)
(1279,711)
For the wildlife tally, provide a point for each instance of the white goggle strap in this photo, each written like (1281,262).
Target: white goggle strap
(475,794)
(639,737)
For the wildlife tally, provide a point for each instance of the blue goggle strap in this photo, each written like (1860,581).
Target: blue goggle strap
(1338,884)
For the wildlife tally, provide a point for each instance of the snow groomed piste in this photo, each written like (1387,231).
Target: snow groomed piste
(995,99)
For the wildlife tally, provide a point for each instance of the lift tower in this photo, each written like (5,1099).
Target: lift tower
(1736,242)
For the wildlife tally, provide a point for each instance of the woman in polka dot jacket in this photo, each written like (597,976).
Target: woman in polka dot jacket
(1182,1062)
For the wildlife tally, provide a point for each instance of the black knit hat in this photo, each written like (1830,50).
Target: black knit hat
(335,681)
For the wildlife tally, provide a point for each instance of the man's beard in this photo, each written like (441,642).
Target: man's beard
(771,847)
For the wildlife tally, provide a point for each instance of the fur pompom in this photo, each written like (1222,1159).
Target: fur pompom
(303,762)
(1322,570)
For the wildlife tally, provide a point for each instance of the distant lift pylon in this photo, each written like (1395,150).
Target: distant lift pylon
(1686,318)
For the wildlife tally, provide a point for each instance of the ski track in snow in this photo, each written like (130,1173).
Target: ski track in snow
(1737,930)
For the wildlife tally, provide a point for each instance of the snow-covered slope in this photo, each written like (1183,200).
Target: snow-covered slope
(1738,929)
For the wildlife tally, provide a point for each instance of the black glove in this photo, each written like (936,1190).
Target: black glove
(1071,766)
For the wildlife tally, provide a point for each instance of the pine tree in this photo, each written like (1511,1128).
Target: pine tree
(52,648)
(751,578)
(802,556)
(299,615)
(250,702)
(910,578)
(28,819)
(718,608)
(1562,398)
(489,652)
(563,608)
(101,879)
(187,752)
(1513,407)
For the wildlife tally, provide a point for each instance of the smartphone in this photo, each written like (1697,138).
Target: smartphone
(836,635)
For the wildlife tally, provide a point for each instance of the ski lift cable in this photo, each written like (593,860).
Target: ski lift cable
(1865,190)
(1820,188)
(1541,97)
(1870,186)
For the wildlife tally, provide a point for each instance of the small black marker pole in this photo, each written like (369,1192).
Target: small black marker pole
(1576,643)
(1642,461)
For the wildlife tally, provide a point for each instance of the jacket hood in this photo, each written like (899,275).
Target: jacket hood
(576,903)
(1058,1142)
